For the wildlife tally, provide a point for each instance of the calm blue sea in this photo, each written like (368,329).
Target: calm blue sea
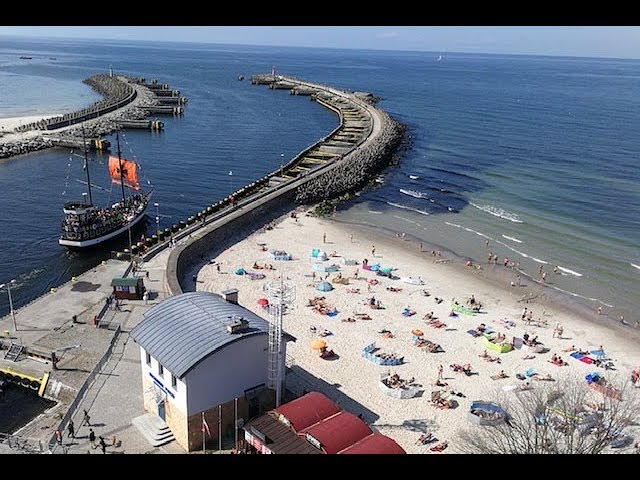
(538,155)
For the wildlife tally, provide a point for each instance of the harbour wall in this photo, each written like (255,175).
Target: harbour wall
(346,171)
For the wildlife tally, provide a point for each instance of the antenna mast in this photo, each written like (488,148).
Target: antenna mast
(281,294)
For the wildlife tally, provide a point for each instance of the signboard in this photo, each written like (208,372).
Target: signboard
(159,384)
(313,441)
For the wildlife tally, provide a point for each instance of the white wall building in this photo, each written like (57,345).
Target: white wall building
(192,364)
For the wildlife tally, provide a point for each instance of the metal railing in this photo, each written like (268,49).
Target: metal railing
(53,446)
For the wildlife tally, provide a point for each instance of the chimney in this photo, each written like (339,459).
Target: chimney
(231,295)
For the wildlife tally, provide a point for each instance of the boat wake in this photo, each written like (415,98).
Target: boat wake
(512,239)
(498,212)
(414,193)
(404,207)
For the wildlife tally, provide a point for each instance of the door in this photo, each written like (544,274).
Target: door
(161,410)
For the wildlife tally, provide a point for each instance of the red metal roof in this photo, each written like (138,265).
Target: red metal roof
(376,443)
(307,410)
(337,432)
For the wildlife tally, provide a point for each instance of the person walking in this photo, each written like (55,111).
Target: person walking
(324,237)
(145,297)
(373,250)
(103,445)
(59,437)
(71,429)
(92,438)
(440,373)
(86,419)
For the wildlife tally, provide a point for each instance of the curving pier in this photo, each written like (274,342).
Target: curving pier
(343,161)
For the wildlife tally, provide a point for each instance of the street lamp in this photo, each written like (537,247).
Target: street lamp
(156,204)
(13,314)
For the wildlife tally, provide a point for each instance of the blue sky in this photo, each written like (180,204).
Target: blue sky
(582,41)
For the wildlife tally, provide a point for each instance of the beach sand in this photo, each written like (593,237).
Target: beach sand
(352,380)
(9,123)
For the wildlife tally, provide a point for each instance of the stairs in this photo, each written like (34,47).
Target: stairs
(14,352)
(154,429)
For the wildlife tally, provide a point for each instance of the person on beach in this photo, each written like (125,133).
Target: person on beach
(324,237)
(373,250)
(440,375)
(71,429)
(351,237)
(490,257)
(92,438)
(495,259)
(599,310)
(86,419)
(59,437)
(103,445)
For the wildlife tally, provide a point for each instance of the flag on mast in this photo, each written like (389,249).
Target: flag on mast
(205,426)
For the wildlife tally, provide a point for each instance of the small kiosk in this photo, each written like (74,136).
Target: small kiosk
(131,288)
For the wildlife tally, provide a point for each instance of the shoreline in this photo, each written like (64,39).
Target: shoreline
(352,379)
(7,124)
(500,277)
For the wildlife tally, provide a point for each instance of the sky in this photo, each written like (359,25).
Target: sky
(579,41)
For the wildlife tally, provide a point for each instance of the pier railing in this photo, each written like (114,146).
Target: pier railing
(53,446)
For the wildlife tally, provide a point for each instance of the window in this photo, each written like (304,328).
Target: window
(160,369)
(149,359)
(174,381)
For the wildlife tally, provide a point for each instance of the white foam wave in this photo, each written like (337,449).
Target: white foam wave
(571,272)
(414,193)
(634,265)
(498,212)
(512,239)
(404,207)
(539,261)
(376,212)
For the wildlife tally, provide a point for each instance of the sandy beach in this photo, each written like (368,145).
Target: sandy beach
(9,123)
(353,376)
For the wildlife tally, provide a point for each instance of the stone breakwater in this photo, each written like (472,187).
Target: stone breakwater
(358,167)
(37,135)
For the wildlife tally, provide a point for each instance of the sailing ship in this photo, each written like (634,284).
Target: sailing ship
(86,225)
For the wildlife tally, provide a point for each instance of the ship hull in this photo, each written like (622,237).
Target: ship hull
(80,244)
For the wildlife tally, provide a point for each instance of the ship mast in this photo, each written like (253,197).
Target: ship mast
(122,185)
(120,165)
(86,165)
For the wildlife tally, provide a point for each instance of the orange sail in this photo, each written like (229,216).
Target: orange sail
(129,172)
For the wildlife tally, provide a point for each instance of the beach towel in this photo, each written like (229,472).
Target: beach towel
(597,353)
(332,314)
(517,342)
(576,355)
(314,253)
(375,268)
(530,373)
(474,333)
(498,377)
(587,360)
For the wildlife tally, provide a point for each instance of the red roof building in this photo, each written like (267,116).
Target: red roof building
(306,410)
(314,424)
(376,444)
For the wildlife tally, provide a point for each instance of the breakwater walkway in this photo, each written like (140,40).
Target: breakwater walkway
(99,368)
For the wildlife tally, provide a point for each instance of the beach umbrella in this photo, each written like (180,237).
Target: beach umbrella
(263,302)
(318,344)
(324,286)
(417,333)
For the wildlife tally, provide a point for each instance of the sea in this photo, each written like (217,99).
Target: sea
(534,158)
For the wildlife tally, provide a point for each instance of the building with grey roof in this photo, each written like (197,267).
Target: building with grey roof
(202,353)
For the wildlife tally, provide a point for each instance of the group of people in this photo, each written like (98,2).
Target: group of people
(96,222)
